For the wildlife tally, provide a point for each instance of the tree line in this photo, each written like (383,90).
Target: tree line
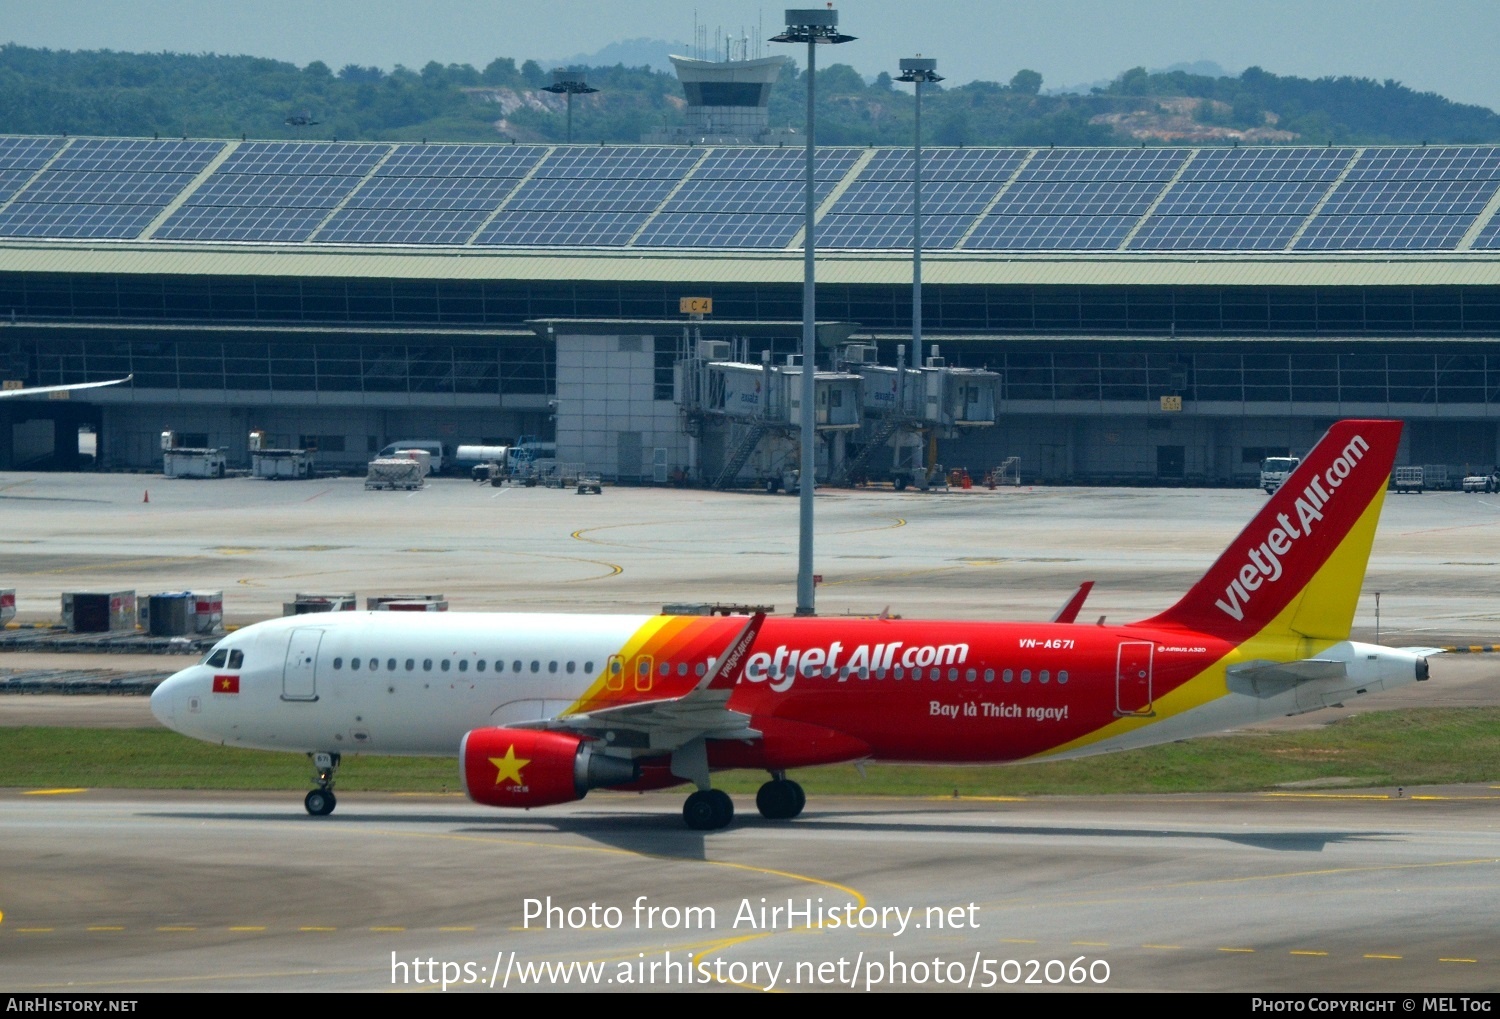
(207,95)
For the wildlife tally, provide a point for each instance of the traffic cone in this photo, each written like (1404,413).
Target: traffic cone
(148,496)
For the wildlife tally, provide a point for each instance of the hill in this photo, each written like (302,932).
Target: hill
(208,95)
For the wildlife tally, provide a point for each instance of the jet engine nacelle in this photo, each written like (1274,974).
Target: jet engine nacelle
(529,768)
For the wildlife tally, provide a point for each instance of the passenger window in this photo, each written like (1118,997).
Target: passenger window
(463,665)
(236,659)
(571,667)
(1062,677)
(953,675)
(479,665)
(427,665)
(971,675)
(1009,675)
(989,675)
(536,666)
(390,664)
(445,665)
(900,672)
(588,668)
(682,668)
(411,664)
(500,665)
(1026,675)
(217,659)
(354,664)
(338,663)
(374,664)
(515,666)
(700,670)
(665,668)
(551,666)
(1043,676)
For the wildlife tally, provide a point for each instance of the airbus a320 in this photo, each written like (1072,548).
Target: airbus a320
(542,708)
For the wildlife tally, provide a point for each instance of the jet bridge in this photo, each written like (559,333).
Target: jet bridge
(907,409)
(749,415)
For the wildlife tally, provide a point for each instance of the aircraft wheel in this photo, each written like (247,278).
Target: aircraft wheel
(708,810)
(780,800)
(320,802)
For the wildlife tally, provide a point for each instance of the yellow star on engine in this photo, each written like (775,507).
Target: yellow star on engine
(509,766)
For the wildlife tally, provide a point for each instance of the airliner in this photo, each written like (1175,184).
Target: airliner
(541,708)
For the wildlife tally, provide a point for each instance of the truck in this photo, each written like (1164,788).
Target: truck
(1274,470)
(1483,482)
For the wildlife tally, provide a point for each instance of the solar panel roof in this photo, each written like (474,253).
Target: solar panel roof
(1395,232)
(945,164)
(402,226)
(462,160)
(1216,233)
(750,197)
(865,231)
(1067,233)
(27,153)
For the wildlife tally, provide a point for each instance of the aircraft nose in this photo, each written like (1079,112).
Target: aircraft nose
(164,700)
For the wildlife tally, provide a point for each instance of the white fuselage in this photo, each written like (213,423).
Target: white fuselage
(389,682)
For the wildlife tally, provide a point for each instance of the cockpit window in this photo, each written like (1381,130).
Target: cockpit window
(236,659)
(217,658)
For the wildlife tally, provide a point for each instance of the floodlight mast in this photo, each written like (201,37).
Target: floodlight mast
(814,26)
(917,70)
(569,83)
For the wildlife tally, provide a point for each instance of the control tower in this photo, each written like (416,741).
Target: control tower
(727,103)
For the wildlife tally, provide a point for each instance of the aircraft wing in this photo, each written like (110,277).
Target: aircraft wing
(62,389)
(668,723)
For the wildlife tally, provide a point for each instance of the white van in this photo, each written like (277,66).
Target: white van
(441,455)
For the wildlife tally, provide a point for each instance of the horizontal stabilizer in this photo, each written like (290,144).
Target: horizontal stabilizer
(1290,672)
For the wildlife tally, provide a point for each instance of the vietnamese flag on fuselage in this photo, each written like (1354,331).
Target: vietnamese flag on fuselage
(226,684)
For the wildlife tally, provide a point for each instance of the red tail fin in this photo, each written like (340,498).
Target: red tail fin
(1301,561)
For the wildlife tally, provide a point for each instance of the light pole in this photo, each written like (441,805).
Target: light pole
(813,26)
(569,83)
(917,70)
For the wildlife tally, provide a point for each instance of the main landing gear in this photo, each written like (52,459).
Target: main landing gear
(708,810)
(321,800)
(780,799)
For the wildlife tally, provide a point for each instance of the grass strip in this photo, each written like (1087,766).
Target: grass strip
(1429,746)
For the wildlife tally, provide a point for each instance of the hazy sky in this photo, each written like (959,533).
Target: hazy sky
(1444,46)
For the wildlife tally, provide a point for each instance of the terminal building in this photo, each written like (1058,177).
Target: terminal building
(1158,314)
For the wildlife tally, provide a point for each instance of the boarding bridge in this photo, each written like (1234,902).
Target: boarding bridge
(907,409)
(748,416)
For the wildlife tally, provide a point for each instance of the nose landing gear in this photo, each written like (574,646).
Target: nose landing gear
(321,801)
